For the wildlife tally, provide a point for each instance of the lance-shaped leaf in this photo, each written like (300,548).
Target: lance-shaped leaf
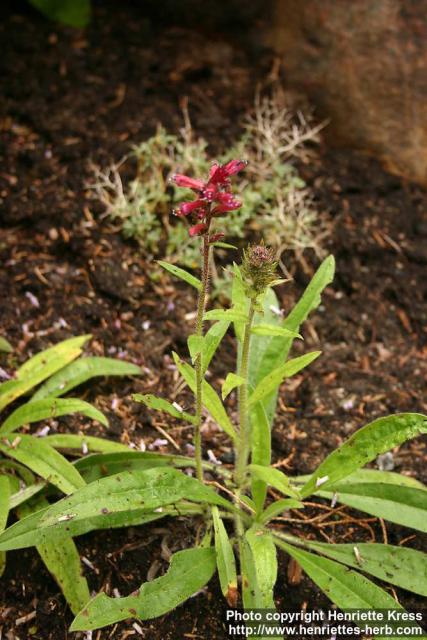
(269,352)
(22,495)
(400,504)
(159,404)
(274,478)
(225,560)
(365,445)
(210,398)
(278,507)
(100,465)
(41,458)
(274,330)
(39,361)
(274,379)
(264,556)
(181,273)
(403,567)
(189,571)
(5,346)
(346,588)
(62,560)
(49,408)
(120,495)
(4,512)
(231,382)
(81,371)
(87,443)
(261,452)
(231,315)
(212,340)
(40,367)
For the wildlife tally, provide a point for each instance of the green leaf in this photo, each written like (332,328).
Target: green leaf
(181,273)
(212,339)
(278,507)
(210,398)
(81,371)
(62,560)
(403,505)
(365,445)
(50,408)
(74,13)
(195,346)
(159,404)
(64,350)
(5,345)
(74,441)
(39,368)
(41,458)
(403,567)
(122,495)
(274,330)
(264,557)
(274,379)
(226,314)
(269,352)
(224,245)
(231,382)
(189,571)
(4,512)
(346,588)
(22,495)
(383,477)
(225,560)
(99,465)
(261,452)
(274,478)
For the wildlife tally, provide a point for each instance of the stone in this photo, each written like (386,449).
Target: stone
(363,65)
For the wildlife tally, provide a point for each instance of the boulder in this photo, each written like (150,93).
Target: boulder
(363,64)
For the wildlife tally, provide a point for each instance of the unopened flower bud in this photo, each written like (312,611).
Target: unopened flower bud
(258,269)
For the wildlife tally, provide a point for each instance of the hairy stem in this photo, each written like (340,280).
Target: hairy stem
(198,364)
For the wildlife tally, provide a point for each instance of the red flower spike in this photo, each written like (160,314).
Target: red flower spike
(185,181)
(198,229)
(214,197)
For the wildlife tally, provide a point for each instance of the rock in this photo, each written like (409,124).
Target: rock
(363,64)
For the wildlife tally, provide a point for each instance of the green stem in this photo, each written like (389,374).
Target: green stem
(201,304)
(243,446)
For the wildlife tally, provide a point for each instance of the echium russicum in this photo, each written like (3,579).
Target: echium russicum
(213,199)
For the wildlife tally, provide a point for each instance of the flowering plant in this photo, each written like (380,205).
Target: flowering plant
(242,526)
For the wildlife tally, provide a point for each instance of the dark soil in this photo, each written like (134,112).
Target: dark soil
(70,97)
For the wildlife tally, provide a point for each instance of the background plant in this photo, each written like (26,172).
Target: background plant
(30,466)
(277,202)
(241,527)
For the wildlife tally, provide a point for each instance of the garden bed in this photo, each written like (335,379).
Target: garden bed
(70,97)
